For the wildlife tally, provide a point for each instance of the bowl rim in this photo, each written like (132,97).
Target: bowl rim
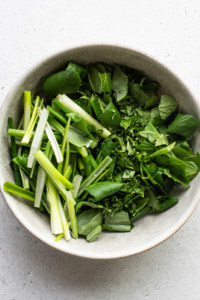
(170,232)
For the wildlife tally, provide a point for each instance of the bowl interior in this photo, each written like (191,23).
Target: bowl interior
(149,231)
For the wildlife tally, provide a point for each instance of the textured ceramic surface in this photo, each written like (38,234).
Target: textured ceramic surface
(151,230)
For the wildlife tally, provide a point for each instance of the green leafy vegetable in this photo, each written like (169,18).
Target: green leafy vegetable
(105,152)
(119,83)
(167,106)
(63,82)
(101,190)
(184,125)
(118,222)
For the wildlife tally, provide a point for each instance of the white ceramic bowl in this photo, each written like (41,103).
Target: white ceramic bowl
(149,231)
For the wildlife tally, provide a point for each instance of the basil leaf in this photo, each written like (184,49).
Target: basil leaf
(101,190)
(119,83)
(167,106)
(184,125)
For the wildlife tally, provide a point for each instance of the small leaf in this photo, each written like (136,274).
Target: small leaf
(63,82)
(93,235)
(88,220)
(184,125)
(164,150)
(119,222)
(150,132)
(167,106)
(101,190)
(110,117)
(119,83)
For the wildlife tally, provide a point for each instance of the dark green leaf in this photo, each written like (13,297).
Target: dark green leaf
(163,150)
(88,220)
(167,106)
(93,235)
(119,83)
(119,222)
(184,125)
(63,82)
(101,190)
(78,69)
(110,117)
(100,82)
(150,132)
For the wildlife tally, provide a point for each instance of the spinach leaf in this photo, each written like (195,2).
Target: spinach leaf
(118,222)
(152,101)
(126,123)
(98,105)
(119,83)
(95,79)
(166,172)
(167,106)
(100,82)
(163,150)
(78,69)
(107,146)
(101,190)
(106,82)
(110,117)
(145,146)
(162,140)
(184,125)
(94,234)
(63,82)
(150,132)
(176,166)
(182,153)
(191,170)
(166,203)
(88,220)
(140,95)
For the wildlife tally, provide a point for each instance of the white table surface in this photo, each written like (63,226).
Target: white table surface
(32,30)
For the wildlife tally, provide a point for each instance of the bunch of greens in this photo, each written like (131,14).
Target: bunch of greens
(104,159)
